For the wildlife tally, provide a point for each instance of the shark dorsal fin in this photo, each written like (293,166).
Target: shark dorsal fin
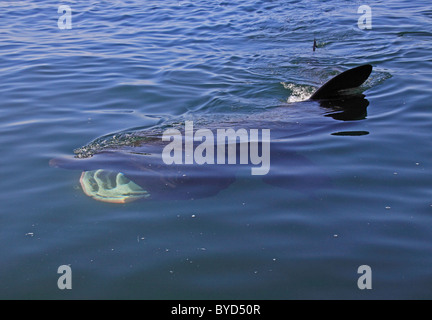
(346,80)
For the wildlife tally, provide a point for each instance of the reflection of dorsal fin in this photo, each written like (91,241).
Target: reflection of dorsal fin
(348,79)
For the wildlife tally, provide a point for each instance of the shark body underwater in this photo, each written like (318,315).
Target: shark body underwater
(129,166)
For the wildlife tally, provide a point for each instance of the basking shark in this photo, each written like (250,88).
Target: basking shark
(158,162)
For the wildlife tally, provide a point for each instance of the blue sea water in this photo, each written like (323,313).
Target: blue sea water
(129,64)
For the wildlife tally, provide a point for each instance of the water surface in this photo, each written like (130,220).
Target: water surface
(132,64)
